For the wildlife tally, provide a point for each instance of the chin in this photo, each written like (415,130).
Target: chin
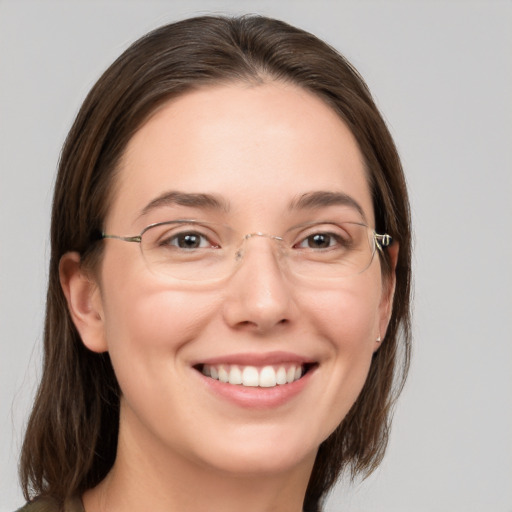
(260,451)
(265,462)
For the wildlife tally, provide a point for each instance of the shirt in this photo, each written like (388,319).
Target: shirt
(46,504)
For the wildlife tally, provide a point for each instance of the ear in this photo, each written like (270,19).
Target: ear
(84,302)
(388,291)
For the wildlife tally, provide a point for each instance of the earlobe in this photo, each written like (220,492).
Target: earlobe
(84,302)
(388,292)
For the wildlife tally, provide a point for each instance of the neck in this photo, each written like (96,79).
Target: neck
(145,477)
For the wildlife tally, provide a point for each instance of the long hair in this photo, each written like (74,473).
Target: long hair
(71,437)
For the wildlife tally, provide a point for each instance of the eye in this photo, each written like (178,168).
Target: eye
(188,240)
(324,240)
(318,241)
(329,237)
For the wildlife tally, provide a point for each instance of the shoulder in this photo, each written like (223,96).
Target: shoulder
(41,505)
(47,504)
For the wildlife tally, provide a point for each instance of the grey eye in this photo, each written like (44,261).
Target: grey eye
(188,240)
(319,241)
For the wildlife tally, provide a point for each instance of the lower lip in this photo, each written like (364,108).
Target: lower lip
(257,397)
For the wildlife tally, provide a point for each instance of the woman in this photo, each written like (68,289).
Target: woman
(228,307)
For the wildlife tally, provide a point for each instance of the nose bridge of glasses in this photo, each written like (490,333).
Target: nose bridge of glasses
(239,254)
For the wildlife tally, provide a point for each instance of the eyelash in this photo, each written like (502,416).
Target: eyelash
(333,240)
(169,241)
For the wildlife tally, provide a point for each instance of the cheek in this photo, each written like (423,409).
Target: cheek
(347,320)
(146,326)
(348,316)
(149,321)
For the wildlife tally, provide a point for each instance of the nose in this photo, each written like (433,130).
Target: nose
(259,295)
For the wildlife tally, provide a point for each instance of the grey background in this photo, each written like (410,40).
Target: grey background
(441,71)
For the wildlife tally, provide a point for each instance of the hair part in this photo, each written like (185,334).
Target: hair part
(70,443)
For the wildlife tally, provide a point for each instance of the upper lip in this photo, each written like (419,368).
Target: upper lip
(256,359)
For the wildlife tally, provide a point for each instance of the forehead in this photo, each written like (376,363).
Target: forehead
(260,147)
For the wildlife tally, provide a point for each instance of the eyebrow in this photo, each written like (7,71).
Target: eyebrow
(320,199)
(309,200)
(172,198)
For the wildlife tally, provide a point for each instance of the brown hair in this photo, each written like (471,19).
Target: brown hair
(71,437)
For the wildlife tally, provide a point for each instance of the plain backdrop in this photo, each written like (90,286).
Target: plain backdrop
(441,72)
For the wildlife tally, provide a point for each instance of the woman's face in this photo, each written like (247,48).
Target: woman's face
(256,150)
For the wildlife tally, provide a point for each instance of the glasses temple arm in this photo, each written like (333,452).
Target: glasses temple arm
(136,239)
(383,241)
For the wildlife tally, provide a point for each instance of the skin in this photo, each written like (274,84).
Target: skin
(259,148)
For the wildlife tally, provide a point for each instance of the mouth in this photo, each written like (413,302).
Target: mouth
(268,376)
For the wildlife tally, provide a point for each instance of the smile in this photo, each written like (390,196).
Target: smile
(268,376)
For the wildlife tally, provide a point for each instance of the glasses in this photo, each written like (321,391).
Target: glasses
(193,250)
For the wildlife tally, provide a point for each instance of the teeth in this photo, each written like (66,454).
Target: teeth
(252,376)
(222,374)
(235,375)
(268,377)
(281,375)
